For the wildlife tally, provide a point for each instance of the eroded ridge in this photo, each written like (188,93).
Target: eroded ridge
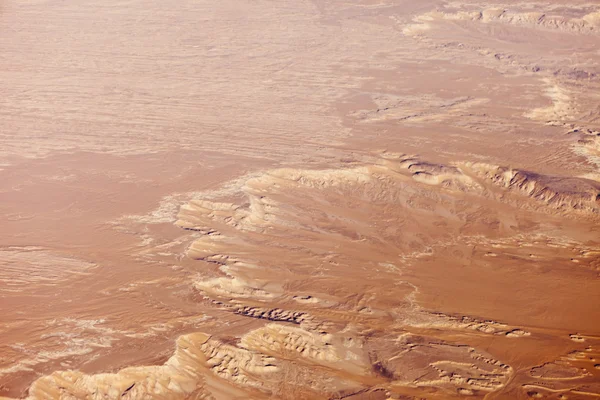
(329,317)
(181,375)
(300,318)
(572,375)
(588,22)
(565,193)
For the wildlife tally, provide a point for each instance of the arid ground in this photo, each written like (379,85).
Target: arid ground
(299,199)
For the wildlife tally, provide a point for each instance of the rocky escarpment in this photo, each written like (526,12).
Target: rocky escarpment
(561,193)
(589,23)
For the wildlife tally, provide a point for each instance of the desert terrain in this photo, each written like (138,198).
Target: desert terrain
(308,199)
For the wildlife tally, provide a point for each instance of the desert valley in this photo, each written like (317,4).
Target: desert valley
(309,199)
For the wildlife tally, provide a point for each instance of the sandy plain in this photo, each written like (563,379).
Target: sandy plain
(299,199)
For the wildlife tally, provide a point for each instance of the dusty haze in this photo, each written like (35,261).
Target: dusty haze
(299,199)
